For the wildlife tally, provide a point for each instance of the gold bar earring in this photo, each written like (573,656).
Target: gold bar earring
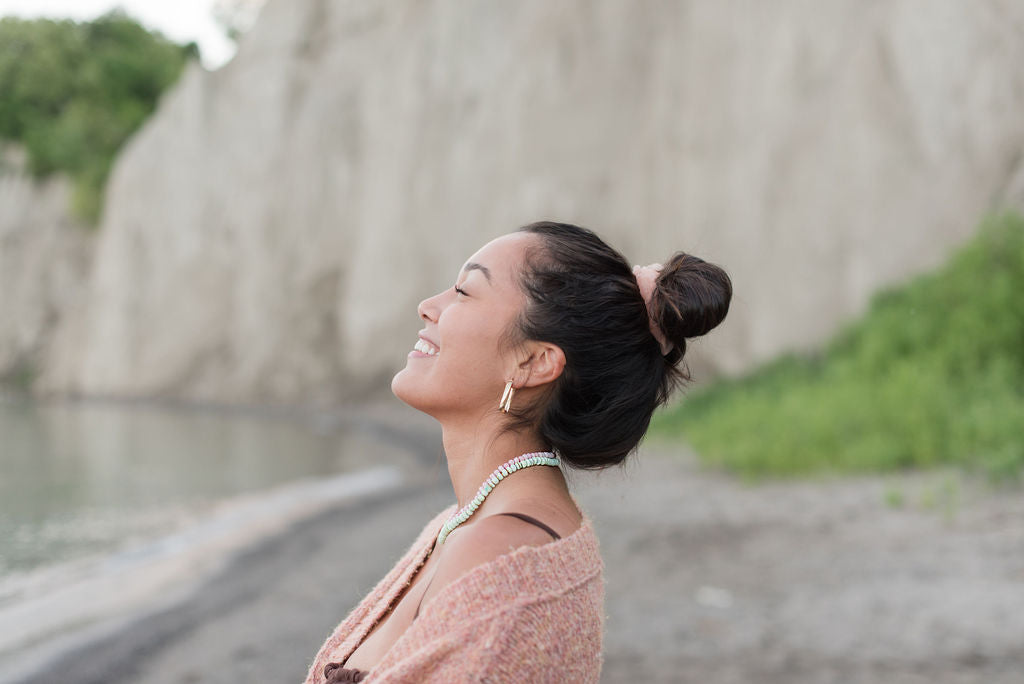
(506,398)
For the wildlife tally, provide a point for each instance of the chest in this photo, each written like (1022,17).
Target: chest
(395,620)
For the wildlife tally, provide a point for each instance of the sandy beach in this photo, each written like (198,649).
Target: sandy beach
(708,580)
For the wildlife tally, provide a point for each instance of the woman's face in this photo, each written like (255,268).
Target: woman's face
(459,365)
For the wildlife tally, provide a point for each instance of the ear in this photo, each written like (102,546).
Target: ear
(544,363)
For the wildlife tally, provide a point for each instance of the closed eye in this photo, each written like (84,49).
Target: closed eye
(460,290)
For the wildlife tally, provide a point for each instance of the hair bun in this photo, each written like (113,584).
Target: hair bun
(691,297)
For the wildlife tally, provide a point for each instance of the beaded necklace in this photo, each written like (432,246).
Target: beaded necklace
(499,474)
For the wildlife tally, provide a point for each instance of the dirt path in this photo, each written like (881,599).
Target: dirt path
(713,581)
(708,580)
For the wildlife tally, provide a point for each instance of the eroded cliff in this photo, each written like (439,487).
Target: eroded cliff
(269,232)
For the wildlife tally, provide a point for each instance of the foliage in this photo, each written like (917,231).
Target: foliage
(932,374)
(72,93)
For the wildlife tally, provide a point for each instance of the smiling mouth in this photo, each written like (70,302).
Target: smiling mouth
(425,347)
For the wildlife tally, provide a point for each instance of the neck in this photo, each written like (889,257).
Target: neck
(475,452)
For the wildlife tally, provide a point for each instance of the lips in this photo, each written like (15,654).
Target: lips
(425,346)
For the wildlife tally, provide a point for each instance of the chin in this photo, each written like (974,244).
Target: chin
(401,388)
(411,391)
(397,385)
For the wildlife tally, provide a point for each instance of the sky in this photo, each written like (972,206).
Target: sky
(180,20)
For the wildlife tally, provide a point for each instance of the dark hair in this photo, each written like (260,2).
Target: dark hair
(582,296)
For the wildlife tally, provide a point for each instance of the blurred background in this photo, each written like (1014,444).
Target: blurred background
(217,218)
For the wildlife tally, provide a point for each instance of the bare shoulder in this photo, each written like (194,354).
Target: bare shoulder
(485,540)
(488,538)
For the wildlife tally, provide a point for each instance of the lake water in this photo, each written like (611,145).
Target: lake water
(109,510)
(85,479)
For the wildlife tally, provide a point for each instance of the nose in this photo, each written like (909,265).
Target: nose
(428,309)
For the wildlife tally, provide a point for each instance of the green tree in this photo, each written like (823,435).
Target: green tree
(72,93)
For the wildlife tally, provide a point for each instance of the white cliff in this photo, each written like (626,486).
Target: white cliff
(269,232)
(44,262)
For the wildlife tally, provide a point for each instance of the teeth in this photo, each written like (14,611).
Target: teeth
(425,348)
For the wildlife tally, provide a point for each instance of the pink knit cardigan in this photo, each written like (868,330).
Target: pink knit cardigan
(532,615)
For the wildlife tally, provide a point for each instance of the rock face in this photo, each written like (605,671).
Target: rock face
(44,263)
(269,232)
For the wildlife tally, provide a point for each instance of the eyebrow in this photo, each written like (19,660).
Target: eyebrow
(473,266)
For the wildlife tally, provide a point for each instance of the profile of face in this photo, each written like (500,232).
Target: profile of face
(461,362)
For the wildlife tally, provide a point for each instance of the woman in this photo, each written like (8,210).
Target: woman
(548,350)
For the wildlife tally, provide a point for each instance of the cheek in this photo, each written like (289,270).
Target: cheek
(472,351)
(469,359)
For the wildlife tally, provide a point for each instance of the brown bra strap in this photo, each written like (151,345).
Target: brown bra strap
(521,516)
(533,521)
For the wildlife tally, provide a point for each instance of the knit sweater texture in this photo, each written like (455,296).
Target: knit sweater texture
(535,614)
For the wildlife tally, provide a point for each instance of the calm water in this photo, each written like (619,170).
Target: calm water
(84,479)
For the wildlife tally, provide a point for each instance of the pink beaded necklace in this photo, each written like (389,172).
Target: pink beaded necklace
(517,463)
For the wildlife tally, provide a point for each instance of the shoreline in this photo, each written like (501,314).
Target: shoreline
(123,651)
(51,610)
(708,580)
(88,600)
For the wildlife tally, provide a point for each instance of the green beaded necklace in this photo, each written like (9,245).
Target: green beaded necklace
(517,463)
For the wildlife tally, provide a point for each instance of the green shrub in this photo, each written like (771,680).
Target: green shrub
(932,374)
(72,93)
